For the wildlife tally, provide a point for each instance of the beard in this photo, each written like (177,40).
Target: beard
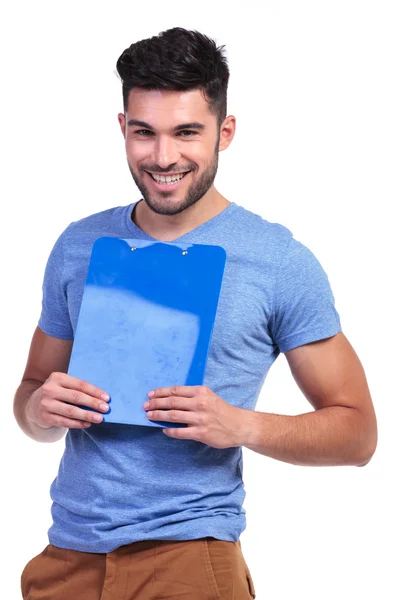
(158,202)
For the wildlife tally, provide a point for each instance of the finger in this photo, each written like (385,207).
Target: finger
(73,383)
(70,411)
(187,391)
(169,402)
(59,421)
(79,398)
(172,416)
(182,433)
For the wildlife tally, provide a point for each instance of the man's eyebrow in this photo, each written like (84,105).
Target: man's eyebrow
(135,122)
(193,125)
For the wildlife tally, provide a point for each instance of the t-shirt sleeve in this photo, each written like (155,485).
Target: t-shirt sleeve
(304,306)
(54,319)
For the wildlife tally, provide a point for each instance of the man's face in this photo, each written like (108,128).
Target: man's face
(172,145)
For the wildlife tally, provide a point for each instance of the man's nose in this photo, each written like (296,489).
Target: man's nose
(165,152)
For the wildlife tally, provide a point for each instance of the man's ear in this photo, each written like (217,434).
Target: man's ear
(122,122)
(227,132)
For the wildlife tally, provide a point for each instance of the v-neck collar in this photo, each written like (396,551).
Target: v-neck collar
(210,224)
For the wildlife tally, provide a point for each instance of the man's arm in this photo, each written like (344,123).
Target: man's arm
(341,431)
(46,355)
(44,401)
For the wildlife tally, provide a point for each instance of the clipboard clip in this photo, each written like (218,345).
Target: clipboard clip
(184,252)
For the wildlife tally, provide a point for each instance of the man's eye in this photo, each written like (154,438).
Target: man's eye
(147,132)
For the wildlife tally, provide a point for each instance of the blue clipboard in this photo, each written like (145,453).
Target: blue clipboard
(146,320)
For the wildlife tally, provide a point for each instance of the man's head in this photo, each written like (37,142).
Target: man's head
(175,99)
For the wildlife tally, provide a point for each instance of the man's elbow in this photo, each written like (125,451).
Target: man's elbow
(368,449)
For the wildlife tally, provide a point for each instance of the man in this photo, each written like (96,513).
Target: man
(139,512)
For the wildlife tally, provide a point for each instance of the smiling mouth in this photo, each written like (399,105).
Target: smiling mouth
(168,179)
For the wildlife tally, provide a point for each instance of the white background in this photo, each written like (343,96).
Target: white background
(315,89)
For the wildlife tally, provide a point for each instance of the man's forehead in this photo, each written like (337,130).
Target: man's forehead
(166,102)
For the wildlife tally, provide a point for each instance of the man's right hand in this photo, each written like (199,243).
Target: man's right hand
(58,402)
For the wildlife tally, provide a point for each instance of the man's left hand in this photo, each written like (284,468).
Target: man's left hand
(209,418)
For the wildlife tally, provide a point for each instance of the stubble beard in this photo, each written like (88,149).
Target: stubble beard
(159,204)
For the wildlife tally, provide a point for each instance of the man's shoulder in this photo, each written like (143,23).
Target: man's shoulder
(260,229)
(103,221)
(80,235)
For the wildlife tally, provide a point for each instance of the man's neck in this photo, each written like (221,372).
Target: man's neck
(167,228)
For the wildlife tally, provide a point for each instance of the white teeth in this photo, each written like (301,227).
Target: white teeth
(167,178)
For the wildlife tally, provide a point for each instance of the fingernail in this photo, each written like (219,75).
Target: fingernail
(150,394)
(104,407)
(98,418)
(146,404)
(105,397)
(150,413)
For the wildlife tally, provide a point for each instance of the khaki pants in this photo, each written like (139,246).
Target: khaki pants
(204,569)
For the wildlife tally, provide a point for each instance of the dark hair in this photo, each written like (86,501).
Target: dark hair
(179,60)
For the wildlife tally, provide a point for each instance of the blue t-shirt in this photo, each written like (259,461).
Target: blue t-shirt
(119,484)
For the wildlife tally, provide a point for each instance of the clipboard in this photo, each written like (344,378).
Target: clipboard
(146,320)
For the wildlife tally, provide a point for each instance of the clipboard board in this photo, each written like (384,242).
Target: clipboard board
(146,320)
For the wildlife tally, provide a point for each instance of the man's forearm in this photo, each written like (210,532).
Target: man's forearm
(21,399)
(326,437)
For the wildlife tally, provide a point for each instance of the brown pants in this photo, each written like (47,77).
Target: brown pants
(204,569)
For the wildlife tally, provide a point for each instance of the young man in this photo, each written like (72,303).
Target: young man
(139,512)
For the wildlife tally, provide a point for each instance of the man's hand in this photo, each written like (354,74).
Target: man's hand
(210,419)
(57,403)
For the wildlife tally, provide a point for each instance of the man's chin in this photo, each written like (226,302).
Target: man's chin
(169,206)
